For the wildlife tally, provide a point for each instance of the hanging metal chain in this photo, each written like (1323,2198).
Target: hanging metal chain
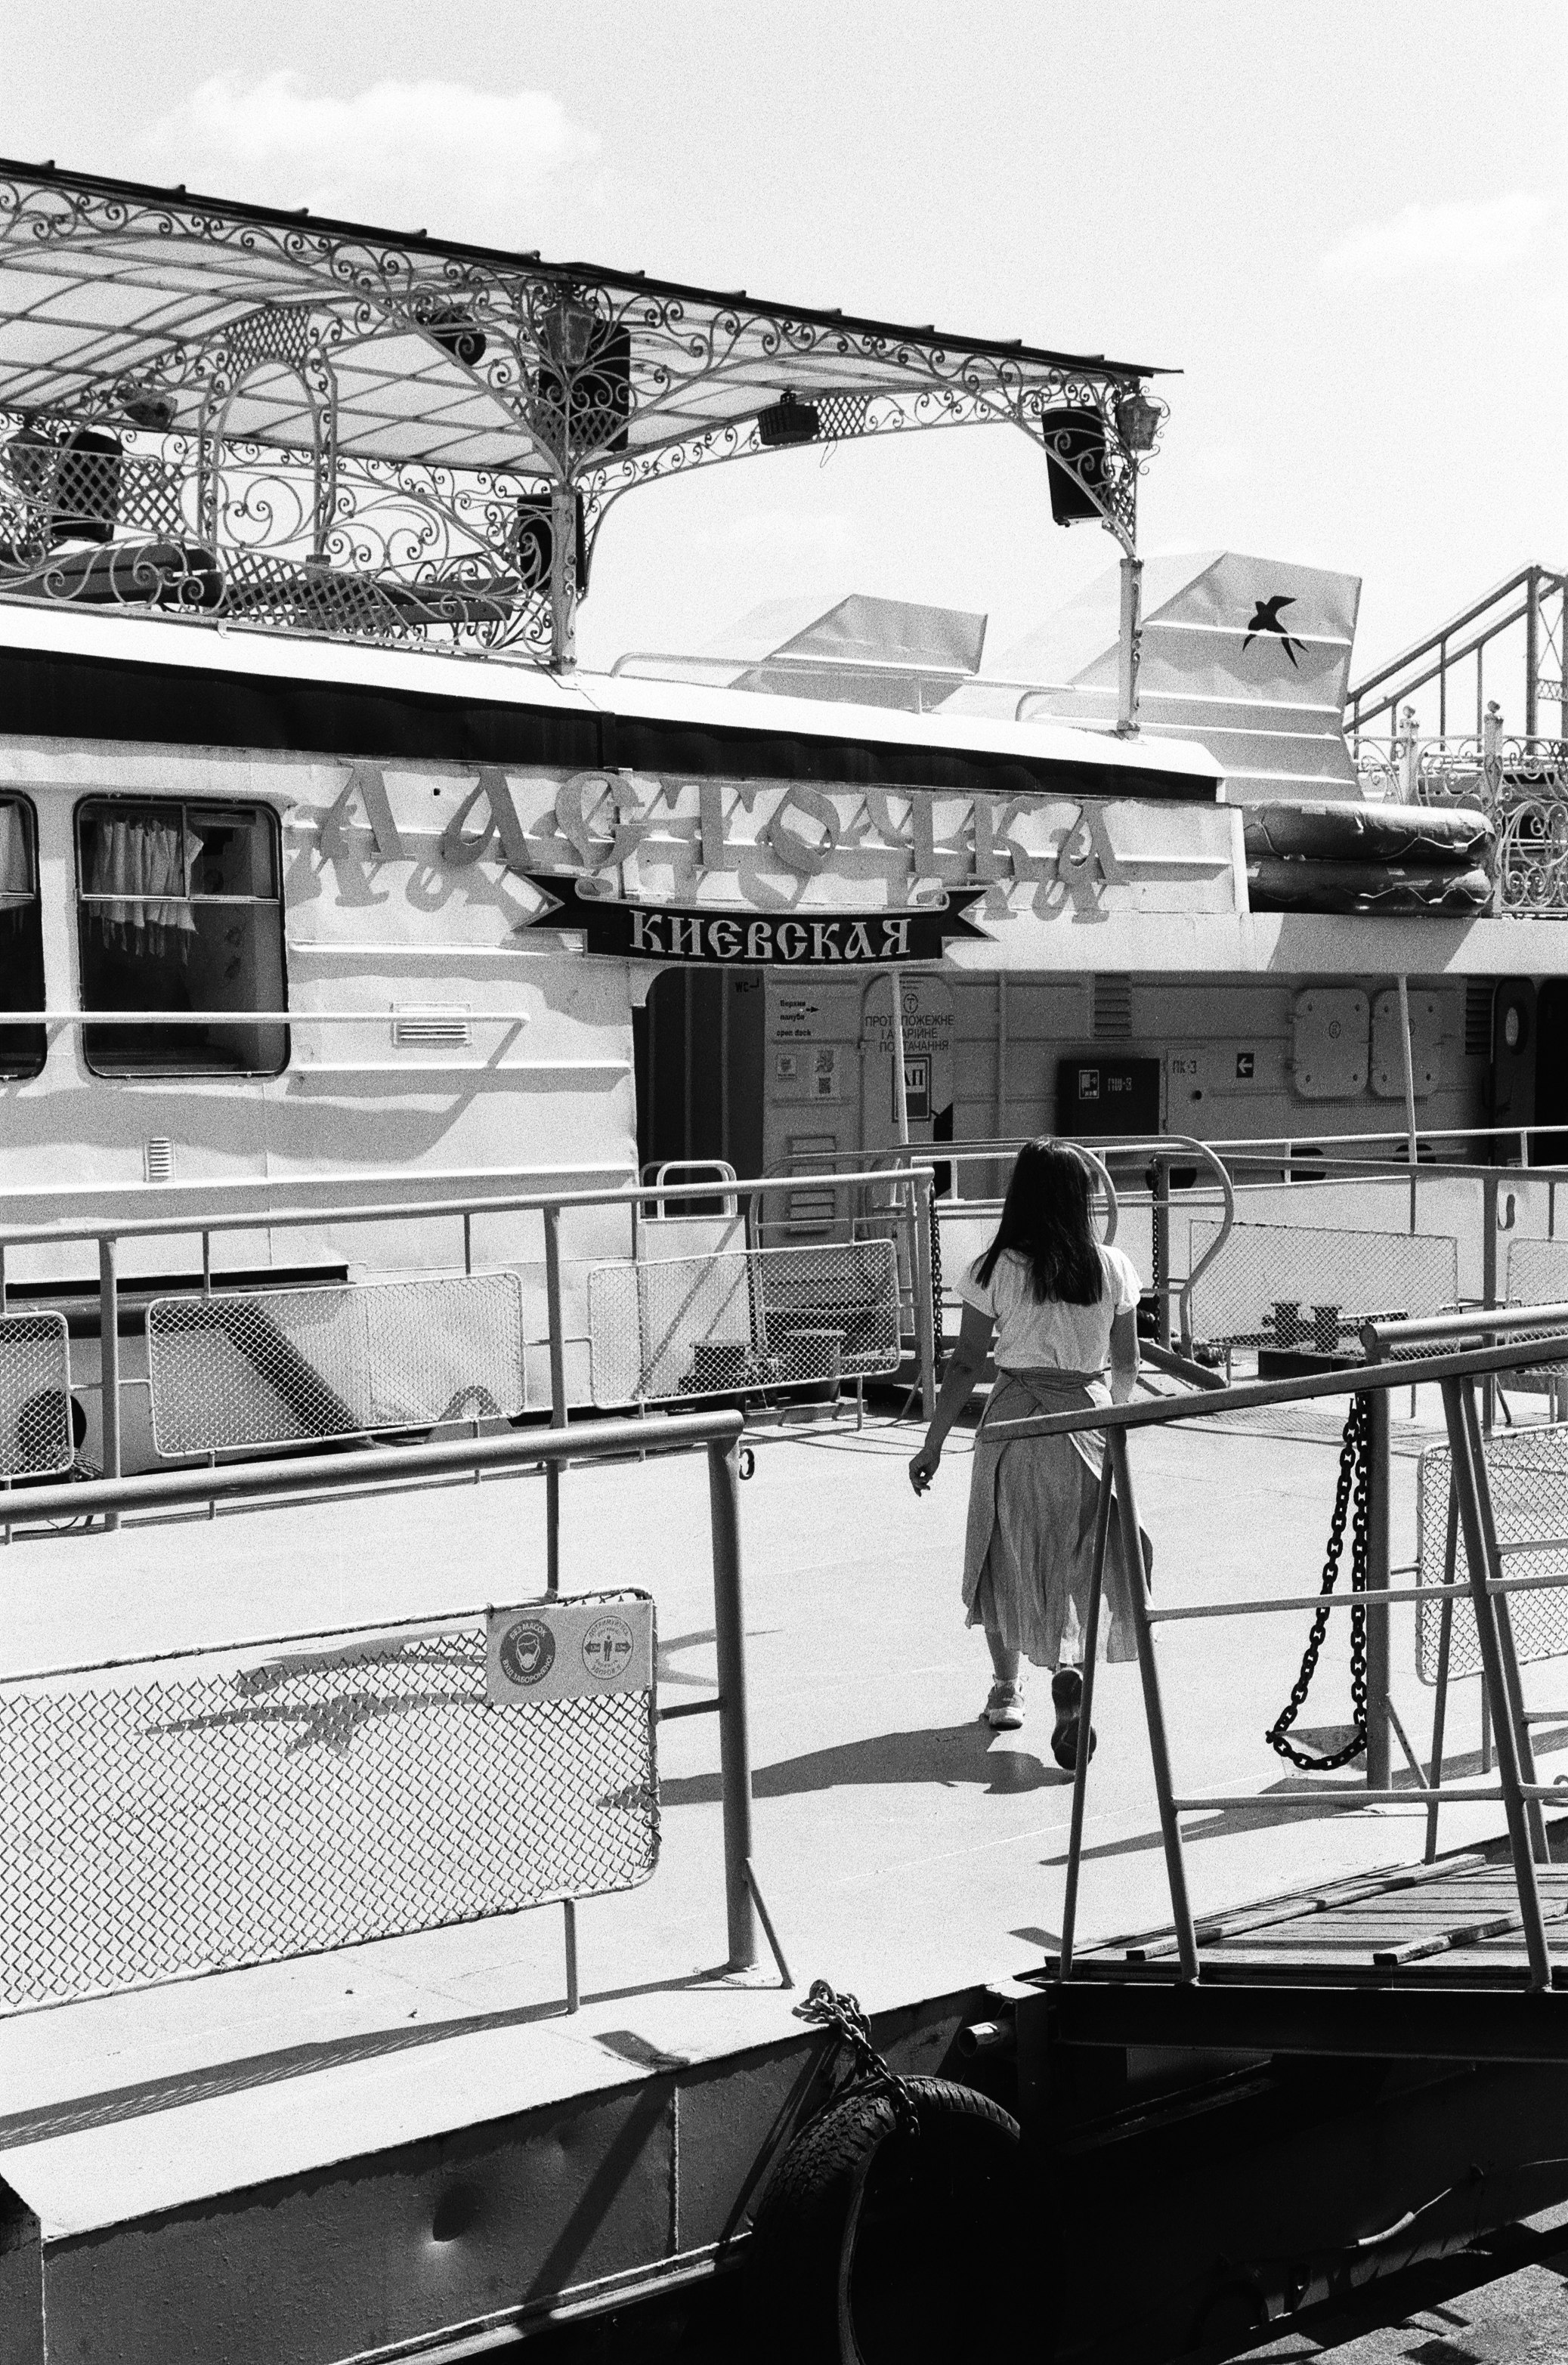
(1355,1472)
(936,1271)
(870,2073)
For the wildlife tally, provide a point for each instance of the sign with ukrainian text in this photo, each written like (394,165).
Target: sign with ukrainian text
(670,932)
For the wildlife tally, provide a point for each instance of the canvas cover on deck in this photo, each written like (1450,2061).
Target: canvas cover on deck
(1250,656)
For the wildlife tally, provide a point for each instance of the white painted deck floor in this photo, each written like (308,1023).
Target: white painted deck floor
(905,1850)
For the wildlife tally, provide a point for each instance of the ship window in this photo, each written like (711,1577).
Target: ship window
(21,938)
(179,911)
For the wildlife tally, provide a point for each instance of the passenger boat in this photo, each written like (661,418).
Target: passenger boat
(326,870)
(344,915)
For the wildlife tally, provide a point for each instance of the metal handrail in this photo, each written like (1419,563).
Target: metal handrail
(1537,583)
(550,1206)
(375,1211)
(1418,649)
(314,1476)
(720,1169)
(1518,1789)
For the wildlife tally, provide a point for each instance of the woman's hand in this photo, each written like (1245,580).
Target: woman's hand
(923,1466)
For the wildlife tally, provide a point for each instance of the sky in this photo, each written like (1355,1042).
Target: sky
(1342,223)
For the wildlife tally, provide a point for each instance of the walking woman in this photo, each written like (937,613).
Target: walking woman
(1061,1307)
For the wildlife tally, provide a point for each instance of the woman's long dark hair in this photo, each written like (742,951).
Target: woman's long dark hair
(1046,1217)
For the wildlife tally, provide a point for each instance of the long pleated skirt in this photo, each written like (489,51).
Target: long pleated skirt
(1029,1549)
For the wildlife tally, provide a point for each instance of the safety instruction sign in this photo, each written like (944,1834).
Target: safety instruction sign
(569,1650)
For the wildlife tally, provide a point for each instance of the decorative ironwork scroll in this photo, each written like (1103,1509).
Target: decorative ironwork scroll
(322,427)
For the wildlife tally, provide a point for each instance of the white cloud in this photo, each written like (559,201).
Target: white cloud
(404,155)
(1468,240)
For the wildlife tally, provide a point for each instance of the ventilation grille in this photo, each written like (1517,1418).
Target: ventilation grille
(1113,1008)
(158,1158)
(431,1030)
(1478,1018)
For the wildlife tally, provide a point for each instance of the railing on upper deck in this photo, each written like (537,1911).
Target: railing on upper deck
(1514,625)
(141,517)
(1520,783)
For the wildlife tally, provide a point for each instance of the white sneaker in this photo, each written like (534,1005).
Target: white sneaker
(1004,1708)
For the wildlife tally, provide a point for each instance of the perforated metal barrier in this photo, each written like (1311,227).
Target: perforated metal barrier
(35,1396)
(200,1814)
(273,1366)
(1283,1285)
(1528,1472)
(752,1320)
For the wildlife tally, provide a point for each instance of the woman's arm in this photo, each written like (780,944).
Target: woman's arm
(1124,1356)
(959,1382)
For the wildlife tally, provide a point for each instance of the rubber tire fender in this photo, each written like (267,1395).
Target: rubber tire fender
(806,2233)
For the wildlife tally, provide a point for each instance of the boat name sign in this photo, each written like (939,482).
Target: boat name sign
(889,873)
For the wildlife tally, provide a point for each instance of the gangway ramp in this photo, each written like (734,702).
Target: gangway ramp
(1428,1963)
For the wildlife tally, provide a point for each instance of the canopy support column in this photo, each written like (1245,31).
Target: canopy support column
(1130,645)
(562,578)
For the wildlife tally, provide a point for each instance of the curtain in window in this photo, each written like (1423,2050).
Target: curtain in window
(15,876)
(140,861)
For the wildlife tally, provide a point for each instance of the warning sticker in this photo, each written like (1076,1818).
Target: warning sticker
(566,1650)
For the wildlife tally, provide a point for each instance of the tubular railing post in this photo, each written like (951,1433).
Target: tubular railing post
(1085,1719)
(1153,1707)
(1161,1274)
(1513,1702)
(108,1363)
(1532,651)
(1489,1285)
(557,1395)
(734,1745)
(1445,1644)
(1377,1613)
(925,1312)
(1483,1565)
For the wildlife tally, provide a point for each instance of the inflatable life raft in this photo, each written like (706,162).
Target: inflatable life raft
(1374,858)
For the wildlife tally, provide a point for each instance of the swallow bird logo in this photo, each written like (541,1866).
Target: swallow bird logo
(1266,619)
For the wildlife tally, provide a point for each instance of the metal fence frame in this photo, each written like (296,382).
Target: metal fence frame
(1435,1351)
(37,1390)
(208,1223)
(715,1433)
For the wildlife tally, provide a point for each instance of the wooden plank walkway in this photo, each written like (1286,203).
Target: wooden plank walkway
(1458,1917)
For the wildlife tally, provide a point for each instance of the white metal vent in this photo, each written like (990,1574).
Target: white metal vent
(431,1030)
(1478,1017)
(158,1158)
(1113,1009)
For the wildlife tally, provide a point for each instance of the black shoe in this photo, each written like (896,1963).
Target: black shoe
(1067,1699)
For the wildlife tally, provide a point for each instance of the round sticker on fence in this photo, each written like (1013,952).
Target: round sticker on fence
(607,1649)
(527,1650)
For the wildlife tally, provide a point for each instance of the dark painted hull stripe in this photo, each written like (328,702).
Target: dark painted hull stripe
(48,695)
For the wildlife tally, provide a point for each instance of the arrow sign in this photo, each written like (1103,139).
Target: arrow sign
(687,932)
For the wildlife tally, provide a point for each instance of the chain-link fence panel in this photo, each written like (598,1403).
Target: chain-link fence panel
(35,1396)
(1286,1285)
(756,1318)
(201,1814)
(274,1366)
(1537,1274)
(1527,1471)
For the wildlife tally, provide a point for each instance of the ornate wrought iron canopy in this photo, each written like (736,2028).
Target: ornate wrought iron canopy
(315,424)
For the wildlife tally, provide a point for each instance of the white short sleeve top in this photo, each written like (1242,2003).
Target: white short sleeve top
(1053,1336)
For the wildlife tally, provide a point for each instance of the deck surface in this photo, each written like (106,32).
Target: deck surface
(905,1850)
